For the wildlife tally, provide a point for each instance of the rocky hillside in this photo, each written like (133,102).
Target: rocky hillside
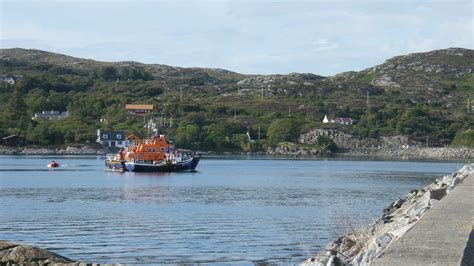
(420,96)
(22,57)
(430,76)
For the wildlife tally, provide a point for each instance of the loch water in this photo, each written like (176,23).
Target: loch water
(233,210)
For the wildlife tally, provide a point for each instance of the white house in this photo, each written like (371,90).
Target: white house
(339,120)
(50,115)
(326,120)
(111,138)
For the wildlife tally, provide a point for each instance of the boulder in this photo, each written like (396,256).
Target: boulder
(19,254)
(334,261)
(439,193)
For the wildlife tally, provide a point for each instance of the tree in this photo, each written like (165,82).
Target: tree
(219,135)
(464,138)
(58,101)
(107,73)
(326,142)
(282,130)
(36,103)
(187,135)
(16,110)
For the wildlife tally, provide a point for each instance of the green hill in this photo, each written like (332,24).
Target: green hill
(423,95)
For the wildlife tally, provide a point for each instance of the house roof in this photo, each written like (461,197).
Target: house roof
(139,106)
(343,119)
(11,137)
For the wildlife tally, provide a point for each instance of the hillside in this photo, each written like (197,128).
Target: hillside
(422,96)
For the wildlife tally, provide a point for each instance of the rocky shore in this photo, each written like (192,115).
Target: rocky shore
(16,254)
(363,246)
(289,148)
(414,152)
(386,148)
(393,146)
(77,149)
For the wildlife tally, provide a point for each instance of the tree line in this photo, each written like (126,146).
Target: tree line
(204,120)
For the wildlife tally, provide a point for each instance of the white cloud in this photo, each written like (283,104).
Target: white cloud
(324,37)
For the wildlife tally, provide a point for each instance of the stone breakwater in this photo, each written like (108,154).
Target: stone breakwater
(363,246)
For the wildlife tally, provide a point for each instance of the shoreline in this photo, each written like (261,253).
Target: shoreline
(366,245)
(436,153)
(73,149)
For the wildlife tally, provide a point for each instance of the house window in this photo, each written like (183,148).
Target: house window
(105,136)
(119,136)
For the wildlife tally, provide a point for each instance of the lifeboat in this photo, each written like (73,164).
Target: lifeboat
(153,154)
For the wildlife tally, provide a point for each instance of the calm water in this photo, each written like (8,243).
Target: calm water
(230,211)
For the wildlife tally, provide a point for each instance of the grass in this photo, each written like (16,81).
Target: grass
(466,84)
(366,77)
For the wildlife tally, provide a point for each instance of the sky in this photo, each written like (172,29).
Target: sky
(251,37)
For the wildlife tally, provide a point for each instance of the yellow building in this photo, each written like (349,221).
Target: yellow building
(139,109)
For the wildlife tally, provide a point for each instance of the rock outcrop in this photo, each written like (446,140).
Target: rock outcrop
(13,254)
(289,148)
(391,146)
(361,247)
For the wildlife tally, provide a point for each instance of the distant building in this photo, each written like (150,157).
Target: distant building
(50,115)
(9,79)
(139,109)
(326,120)
(13,141)
(111,138)
(343,121)
(338,120)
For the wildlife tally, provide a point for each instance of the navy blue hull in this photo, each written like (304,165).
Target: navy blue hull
(142,167)
(171,167)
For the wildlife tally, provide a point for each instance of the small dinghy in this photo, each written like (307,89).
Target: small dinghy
(53,164)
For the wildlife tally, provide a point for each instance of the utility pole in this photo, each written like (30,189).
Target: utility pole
(262,93)
(181,94)
(368,99)
(238,90)
(468,105)
(427,141)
